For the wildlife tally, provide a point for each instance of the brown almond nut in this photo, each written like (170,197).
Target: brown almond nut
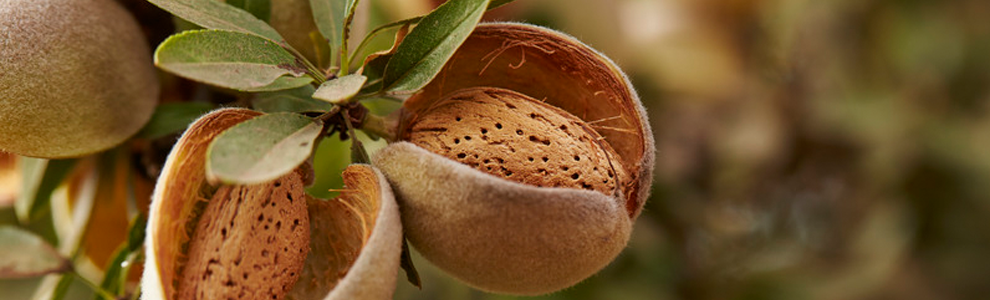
(516,137)
(511,230)
(217,249)
(249,243)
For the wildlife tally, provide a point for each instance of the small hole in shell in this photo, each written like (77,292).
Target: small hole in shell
(484,131)
(461,155)
(575,176)
(577,158)
(498,125)
(458,119)
(457,141)
(467,138)
(545,159)
(530,159)
(519,132)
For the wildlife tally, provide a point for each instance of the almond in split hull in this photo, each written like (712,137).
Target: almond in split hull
(516,137)
(250,243)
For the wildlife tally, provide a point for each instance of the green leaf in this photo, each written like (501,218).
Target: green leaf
(283,83)
(340,89)
(212,14)
(173,117)
(374,70)
(261,9)
(295,100)
(261,149)
(62,287)
(428,47)
(117,269)
(24,254)
(231,60)
(40,178)
(329,16)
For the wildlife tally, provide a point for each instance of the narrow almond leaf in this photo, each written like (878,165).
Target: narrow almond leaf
(40,178)
(212,14)
(329,16)
(295,100)
(340,89)
(116,270)
(231,59)
(410,21)
(173,117)
(62,287)
(261,149)
(428,47)
(24,254)
(261,9)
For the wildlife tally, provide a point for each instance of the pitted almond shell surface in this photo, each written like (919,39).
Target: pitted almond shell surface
(355,240)
(250,242)
(503,236)
(563,72)
(180,187)
(513,136)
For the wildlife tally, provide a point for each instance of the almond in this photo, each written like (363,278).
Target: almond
(516,137)
(250,242)
(521,167)
(266,241)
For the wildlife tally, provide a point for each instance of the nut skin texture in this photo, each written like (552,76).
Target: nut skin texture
(504,236)
(355,240)
(180,186)
(250,242)
(498,235)
(77,77)
(490,129)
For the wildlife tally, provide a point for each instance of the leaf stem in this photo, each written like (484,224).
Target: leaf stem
(329,114)
(310,68)
(358,153)
(380,126)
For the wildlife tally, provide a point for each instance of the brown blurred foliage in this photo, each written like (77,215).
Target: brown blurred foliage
(806,149)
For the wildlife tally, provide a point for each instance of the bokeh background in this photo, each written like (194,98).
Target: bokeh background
(806,149)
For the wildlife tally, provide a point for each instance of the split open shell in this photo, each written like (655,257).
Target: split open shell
(355,240)
(508,237)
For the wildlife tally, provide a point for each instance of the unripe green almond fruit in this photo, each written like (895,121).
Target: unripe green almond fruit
(523,165)
(76,77)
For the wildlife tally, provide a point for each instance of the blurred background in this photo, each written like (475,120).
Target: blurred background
(806,149)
